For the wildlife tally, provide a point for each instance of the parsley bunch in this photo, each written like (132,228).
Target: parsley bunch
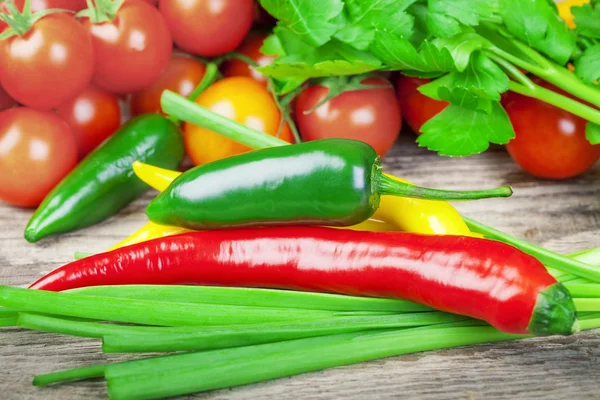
(473,49)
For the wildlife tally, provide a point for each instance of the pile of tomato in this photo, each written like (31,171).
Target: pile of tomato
(68,82)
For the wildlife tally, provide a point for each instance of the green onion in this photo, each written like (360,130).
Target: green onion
(147,312)
(284,359)
(45,323)
(6,322)
(252,297)
(582,304)
(583,290)
(94,371)
(550,258)
(244,336)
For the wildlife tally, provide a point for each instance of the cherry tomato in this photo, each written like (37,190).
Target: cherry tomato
(182,76)
(250,48)
(37,149)
(208,27)
(93,116)
(372,116)
(416,107)
(132,51)
(50,64)
(5,100)
(550,142)
(38,5)
(243,100)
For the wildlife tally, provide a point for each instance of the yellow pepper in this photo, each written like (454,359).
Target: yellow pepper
(564,10)
(394,213)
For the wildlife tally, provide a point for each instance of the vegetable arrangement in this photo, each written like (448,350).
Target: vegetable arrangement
(287,249)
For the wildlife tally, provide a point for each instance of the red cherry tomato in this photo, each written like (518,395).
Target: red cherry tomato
(37,149)
(208,27)
(93,116)
(182,76)
(5,100)
(416,107)
(372,116)
(550,142)
(50,64)
(38,5)
(132,51)
(250,48)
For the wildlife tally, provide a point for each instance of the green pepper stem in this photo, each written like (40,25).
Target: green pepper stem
(392,187)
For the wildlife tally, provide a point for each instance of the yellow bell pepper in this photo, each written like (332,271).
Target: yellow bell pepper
(394,213)
(564,10)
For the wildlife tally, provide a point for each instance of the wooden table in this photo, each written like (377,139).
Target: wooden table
(563,216)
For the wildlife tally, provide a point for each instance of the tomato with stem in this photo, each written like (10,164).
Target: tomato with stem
(208,28)
(251,49)
(132,45)
(369,115)
(241,99)
(93,116)
(183,74)
(416,107)
(37,149)
(47,64)
(549,143)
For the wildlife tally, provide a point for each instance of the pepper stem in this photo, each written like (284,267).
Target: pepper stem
(391,187)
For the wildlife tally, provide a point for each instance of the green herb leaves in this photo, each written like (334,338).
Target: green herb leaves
(587,19)
(458,131)
(312,21)
(470,47)
(535,23)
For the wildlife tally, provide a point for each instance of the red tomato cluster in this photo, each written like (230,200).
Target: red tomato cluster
(549,143)
(72,74)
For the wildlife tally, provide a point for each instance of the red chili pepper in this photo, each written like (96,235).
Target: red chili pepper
(480,278)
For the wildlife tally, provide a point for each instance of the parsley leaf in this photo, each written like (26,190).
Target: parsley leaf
(312,21)
(587,67)
(446,16)
(299,61)
(592,133)
(460,131)
(399,54)
(587,20)
(535,22)
(467,12)
(475,88)
(462,46)
(363,16)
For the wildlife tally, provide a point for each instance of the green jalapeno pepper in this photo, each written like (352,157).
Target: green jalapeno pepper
(104,182)
(336,182)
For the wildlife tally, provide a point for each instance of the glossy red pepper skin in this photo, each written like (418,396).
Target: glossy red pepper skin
(480,278)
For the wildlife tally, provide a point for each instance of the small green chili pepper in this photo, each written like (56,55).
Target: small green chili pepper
(336,182)
(104,182)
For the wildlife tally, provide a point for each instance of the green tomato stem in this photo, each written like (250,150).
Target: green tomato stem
(551,97)
(211,73)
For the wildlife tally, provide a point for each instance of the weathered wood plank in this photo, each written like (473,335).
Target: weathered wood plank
(564,216)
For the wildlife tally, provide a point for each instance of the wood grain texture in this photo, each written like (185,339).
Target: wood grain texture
(564,216)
